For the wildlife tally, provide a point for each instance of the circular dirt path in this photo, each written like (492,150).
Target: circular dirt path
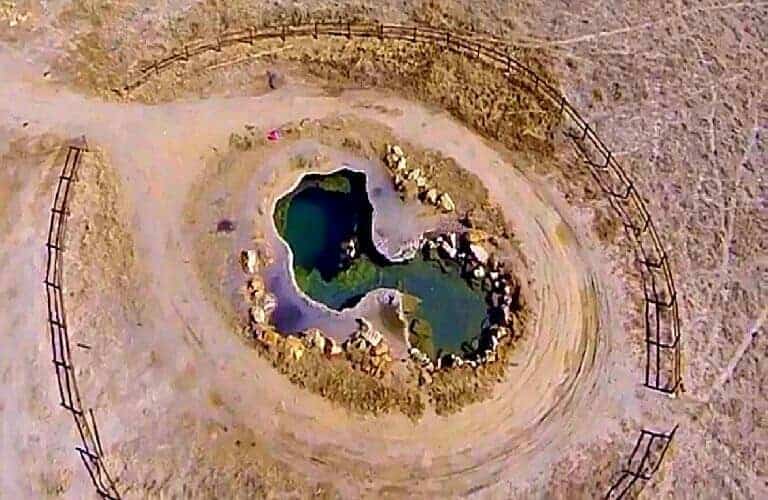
(570,379)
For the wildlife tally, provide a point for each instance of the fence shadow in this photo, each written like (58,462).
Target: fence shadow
(90,448)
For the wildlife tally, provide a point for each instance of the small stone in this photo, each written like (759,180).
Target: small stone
(249,261)
(414,174)
(397,150)
(258,315)
(431,196)
(268,303)
(295,347)
(475,236)
(315,339)
(501,332)
(479,253)
(270,337)
(425,378)
(446,202)
(402,164)
(479,272)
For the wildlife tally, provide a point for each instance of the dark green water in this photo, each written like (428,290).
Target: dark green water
(324,211)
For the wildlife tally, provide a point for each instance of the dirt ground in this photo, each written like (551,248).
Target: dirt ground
(186,410)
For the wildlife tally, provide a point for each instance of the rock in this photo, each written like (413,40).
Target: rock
(258,315)
(268,303)
(494,275)
(450,251)
(381,349)
(397,150)
(413,174)
(421,182)
(474,236)
(275,80)
(494,342)
(248,260)
(479,272)
(431,196)
(501,332)
(270,337)
(295,347)
(332,348)
(390,160)
(490,356)
(367,332)
(401,164)
(446,203)
(425,378)
(256,287)
(479,253)
(315,339)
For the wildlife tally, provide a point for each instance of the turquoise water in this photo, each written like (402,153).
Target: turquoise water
(324,211)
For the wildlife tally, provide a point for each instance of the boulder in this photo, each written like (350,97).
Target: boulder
(501,332)
(401,164)
(366,331)
(425,378)
(431,196)
(479,253)
(256,286)
(397,150)
(270,337)
(479,272)
(268,303)
(414,174)
(474,236)
(446,202)
(258,316)
(381,349)
(332,348)
(315,339)
(249,261)
(295,347)
(449,250)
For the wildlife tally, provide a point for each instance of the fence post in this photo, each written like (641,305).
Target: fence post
(349,31)
(414,33)
(282,33)
(381,31)
(252,34)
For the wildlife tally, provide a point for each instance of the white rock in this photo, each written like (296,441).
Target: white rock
(367,332)
(494,275)
(432,196)
(248,259)
(414,174)
(397,150)
(269,303)
(446,202)
(450,251)
(402,164)
(453,240)
(501,332)
(479,253)
(258,315)
(479,272)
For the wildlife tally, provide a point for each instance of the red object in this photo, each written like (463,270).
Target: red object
(273,135)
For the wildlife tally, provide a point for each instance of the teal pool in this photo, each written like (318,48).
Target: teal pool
(324,212)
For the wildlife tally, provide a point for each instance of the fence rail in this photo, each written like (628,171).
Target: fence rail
(90,448)
(641,465)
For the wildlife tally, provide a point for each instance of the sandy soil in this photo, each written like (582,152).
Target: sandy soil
(184,409)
